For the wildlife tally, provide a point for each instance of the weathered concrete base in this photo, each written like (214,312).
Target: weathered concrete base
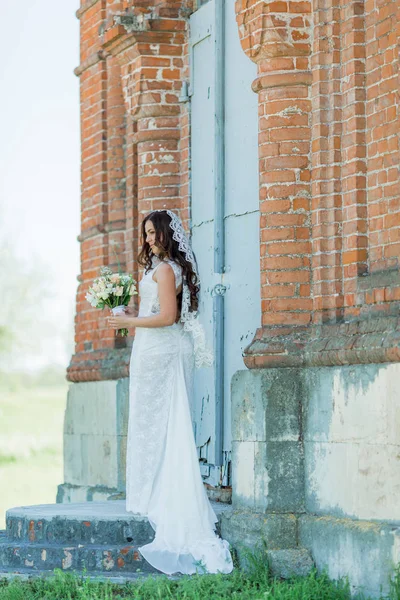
(95,433)
(248,528)
(95,438)
(290,563)
(365,551)
(273,536)
(83,493)
(320,444)
(351,432)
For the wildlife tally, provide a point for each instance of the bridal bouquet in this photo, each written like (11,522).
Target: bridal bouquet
(113,290)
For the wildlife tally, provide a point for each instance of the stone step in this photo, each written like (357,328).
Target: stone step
(82,523)
(104,558)
(101,537)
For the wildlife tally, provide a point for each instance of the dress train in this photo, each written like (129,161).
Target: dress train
(179,510)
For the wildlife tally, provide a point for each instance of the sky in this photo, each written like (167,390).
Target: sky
(40,162)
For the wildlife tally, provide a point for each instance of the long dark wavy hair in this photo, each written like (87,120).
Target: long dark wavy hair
(168,247)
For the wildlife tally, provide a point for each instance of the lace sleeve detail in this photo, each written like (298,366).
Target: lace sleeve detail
(155,307)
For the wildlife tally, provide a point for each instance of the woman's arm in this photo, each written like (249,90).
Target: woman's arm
(168,304)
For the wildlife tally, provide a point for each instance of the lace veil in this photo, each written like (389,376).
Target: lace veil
(203,355)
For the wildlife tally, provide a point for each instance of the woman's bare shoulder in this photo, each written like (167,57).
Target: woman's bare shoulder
(164,268)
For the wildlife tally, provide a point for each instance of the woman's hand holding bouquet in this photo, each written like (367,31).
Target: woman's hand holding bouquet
(123,318)
(115,291)
(132,312)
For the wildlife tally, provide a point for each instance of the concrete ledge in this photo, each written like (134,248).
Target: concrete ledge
(100,365)
(364,341)
(68,493)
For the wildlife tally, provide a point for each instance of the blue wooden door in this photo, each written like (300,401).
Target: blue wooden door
(239,281)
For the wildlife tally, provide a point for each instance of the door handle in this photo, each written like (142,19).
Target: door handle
(218,290)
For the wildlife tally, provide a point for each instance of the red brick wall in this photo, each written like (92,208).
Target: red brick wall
(328,104)
(327,85)
(94,236)
(135,154)
(277,36)
(383,127)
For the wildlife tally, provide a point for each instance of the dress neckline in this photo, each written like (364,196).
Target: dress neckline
(156,261)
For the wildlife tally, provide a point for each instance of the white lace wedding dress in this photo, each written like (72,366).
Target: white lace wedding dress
(163,479)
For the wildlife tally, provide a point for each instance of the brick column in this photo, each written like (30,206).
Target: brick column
(354,168)
(339,210)
(130,82)
(382,33)
(276,35)
(150,52)
(327,213)
(94,237)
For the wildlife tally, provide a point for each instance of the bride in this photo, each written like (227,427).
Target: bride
(163,479)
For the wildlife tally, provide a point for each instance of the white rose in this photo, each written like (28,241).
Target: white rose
(119,291)
(92,300)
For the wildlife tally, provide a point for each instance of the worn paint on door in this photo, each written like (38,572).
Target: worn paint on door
(241,218)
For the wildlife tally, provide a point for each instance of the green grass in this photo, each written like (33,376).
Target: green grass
(256,583)
(31,439)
